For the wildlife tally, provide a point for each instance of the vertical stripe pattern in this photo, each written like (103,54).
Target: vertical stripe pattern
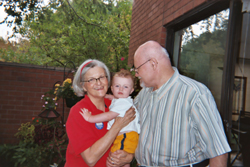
(122,142)
(180,124)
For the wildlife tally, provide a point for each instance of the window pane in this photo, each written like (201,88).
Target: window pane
(241,95)
(202,51)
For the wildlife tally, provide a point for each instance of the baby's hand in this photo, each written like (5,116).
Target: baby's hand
(86,114)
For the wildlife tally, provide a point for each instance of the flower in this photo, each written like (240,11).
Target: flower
(65,90)
(49,100)
(68,80)
(122,58)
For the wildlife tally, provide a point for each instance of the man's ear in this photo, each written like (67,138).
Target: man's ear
(132,91)
(154,63)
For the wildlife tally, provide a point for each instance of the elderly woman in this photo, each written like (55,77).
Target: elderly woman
(89,143)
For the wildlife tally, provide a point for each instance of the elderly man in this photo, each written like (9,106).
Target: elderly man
(180,123)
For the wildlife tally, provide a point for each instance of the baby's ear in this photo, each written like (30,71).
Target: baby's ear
(132,90)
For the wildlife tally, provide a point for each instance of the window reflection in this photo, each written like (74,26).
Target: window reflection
(202,51)
(241,96)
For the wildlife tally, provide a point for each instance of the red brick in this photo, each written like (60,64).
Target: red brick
(7,116)
(13,121)
(15,93)
(30,75)
(198,2)
(7,107)
(183,3)
(178,13)
(189,6)
(171,3)
(16,111)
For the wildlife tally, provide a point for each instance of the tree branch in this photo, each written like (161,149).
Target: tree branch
(81,17)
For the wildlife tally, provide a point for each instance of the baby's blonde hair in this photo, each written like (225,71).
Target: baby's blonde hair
(125,74)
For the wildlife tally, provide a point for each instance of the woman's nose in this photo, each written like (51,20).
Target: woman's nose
(98,82)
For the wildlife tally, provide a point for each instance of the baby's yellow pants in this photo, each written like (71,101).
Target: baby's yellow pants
(127,142)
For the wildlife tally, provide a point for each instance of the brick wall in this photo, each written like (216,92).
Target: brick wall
(21,87)
(149,17)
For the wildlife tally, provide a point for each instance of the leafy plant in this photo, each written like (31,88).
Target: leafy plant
(65,90)
(49,100)
(26,132)
(42,142)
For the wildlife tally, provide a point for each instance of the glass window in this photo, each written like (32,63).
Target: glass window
(241,97)
(200,49)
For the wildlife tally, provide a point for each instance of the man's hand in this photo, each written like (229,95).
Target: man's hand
(119,158)
(128,117)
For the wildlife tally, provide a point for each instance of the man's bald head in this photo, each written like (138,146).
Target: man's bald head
(152,64)
(151,49)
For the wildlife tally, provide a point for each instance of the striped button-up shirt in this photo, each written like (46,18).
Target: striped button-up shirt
(180,124)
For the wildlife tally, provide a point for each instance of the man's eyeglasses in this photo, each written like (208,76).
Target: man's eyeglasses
(136,69)
(94,80)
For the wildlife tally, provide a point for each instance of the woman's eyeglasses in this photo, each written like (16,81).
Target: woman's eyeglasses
(94,80)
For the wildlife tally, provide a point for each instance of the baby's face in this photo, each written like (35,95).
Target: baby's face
(122,87)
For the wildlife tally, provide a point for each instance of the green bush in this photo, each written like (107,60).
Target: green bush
(42,143)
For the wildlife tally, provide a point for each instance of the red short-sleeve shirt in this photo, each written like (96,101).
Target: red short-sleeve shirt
(83,134)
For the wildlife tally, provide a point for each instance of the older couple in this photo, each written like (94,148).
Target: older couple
(180,123)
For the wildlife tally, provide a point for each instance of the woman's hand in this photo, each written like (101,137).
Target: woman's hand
(119,158)
(124,121)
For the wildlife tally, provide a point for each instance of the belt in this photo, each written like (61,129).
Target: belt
(199,164)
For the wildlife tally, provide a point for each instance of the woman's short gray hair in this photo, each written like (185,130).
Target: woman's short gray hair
(81,71)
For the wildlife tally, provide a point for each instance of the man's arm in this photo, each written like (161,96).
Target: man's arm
(103,117)
(219,161)
(119,158)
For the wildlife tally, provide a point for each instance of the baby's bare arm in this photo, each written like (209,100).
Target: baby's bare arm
(103,117)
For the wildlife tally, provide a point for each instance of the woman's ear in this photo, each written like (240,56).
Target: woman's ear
(83,87)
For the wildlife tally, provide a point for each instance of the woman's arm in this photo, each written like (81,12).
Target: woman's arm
(103,117)
(97,150)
